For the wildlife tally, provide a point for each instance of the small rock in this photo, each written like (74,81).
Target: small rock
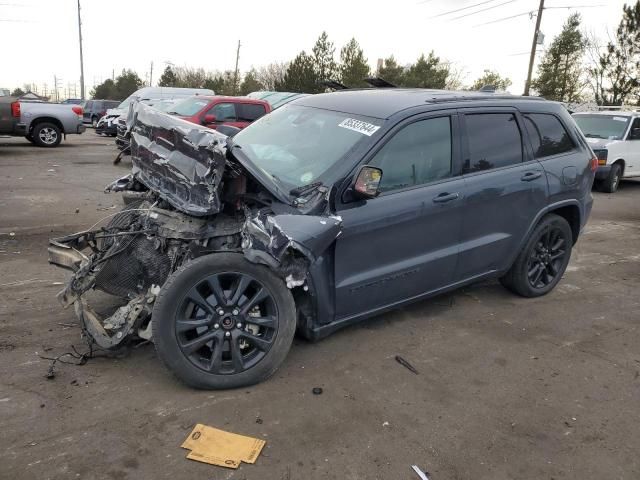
(317,391)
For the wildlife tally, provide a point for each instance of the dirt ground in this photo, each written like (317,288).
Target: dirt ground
(508,388)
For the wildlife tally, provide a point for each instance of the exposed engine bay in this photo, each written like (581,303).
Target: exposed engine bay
(187,196)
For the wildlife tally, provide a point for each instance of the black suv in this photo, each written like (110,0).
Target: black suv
(325,212)
(94,110)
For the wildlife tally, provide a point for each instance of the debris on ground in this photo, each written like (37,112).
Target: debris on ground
(406,364)
(225,449)
(421,474)
(317,391)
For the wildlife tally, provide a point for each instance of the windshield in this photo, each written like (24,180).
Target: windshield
(296,145)
(189,106)
(126,102)
(610,127)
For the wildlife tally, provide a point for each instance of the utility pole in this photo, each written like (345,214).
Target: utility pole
(81,59)
(534,46)
(235,75)
(151,75)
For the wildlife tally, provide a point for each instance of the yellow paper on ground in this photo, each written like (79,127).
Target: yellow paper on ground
(217,447)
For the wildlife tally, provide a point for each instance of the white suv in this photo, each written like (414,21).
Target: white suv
(614,137)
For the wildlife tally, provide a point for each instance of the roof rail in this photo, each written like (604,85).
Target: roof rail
(378,82)
(334,84)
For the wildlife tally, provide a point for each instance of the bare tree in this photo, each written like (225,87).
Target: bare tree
(272,75)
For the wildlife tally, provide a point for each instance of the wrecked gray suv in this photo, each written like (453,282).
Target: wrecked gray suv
(329,210)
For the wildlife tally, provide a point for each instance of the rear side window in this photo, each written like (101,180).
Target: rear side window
(419,153)
(494,141)
(248,112)
(548,136)
(224,112)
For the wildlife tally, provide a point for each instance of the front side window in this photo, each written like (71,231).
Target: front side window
(494,141)
(547,135)
(419,153)
(224,112)
(248,112)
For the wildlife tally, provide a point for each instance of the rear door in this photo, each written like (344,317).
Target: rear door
(506,188)
(404,242)
(248,113)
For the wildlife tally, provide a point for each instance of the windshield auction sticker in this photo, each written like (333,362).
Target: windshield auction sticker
(359,126)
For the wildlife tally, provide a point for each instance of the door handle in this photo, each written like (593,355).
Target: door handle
(445,197)
(529,176)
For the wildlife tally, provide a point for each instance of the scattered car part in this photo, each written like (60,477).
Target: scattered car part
(406,364)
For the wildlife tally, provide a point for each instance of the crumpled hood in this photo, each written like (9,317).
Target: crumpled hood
(181,161)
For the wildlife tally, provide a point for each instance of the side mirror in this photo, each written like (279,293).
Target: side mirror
(367,182)
(209,119)
(635,134)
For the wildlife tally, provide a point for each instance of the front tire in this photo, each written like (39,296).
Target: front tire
(612,182)
(223,322)
(543,260)
(46,135)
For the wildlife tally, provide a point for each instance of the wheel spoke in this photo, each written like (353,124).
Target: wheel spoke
(240,287)
(197,343)
(538,274)
(258,342)
(196,297)
(216,288)
(552,269)
(236,355)
(557,255)
(184,325)
(268,321)
(216,354)
(558,244)
(255,300)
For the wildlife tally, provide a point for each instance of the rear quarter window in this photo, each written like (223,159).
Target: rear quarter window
(248,112)
(547,134)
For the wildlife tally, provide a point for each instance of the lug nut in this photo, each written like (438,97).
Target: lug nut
(239,325)
(220,311)
(216,325)
(228,334)
(235,311)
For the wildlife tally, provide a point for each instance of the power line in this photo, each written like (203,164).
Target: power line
(461,9)
(483,10)
(530,12)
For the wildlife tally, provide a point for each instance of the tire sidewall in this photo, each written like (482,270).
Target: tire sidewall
(36,135)
(613,182)
(169,301)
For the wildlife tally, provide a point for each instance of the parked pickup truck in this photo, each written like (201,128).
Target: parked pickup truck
(43,124)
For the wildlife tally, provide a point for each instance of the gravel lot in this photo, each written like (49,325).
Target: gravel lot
(508,388)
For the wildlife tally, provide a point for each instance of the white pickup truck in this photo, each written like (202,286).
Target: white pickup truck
(614,136)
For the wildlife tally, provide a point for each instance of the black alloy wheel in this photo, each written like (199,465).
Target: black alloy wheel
(547,257)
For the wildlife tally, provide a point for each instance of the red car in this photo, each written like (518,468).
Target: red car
(217,110)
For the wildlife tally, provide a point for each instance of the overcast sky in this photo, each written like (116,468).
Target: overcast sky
(39,38)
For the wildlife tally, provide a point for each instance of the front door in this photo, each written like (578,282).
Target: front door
(506,188)
(225,113)
(631,153)
(403,243)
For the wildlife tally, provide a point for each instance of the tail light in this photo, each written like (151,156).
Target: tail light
(594,163)
(77,110)
(15,109)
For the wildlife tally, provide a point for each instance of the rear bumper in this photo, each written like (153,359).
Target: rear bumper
(603,172)
(20,129)
(81,129)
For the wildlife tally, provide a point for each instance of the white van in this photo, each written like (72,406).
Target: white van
(614,136)
(148,95)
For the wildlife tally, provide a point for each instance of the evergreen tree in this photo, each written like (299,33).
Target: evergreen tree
(300,76)
(17,92)
(353,65)
(250,83)
(427,72)
(560,71)
(391,71)
(490,77)
(168,78)
(616,72)
(324,64)
(127,83)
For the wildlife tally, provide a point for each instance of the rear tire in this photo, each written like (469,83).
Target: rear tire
(612,182)
(543,260)
(94,122)
(46,135)
(224,337)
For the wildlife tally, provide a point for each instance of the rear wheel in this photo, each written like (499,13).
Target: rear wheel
(223,322)
(543,260)
(612,182)
(94,122)
(46,135)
